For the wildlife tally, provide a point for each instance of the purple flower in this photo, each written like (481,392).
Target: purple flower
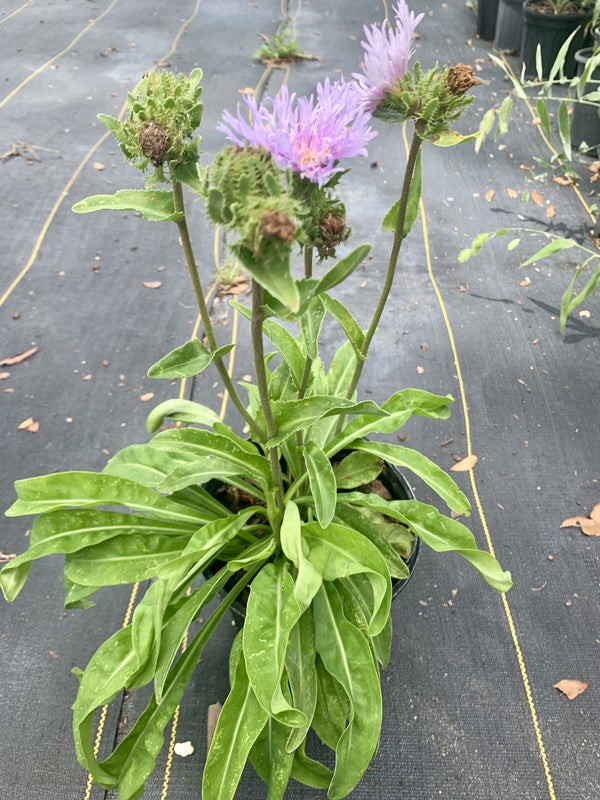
(387,52)
(306,134)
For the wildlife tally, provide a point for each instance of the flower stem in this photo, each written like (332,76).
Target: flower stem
(411,163)
(186,243)
(256,326)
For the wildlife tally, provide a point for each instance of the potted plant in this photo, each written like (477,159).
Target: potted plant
(547,24)
(509,26)
(487,13)
(297,526)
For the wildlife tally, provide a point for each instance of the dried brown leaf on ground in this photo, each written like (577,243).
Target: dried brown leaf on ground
(465,464)
(562,181)
(152,284)
(550,212)
(537,198)
(98,165)
(490,195)
(571,688)
(512,193)
(588,525)
(7,362)
(147,396)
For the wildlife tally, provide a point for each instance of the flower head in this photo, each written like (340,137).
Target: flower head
(308,135)
(387,52)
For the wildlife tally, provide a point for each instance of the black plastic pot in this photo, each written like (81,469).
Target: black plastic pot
(585,122)
(550,31)
(487,13)
(509,26)
(397,486)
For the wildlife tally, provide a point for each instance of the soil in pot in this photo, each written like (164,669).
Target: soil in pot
(550,30)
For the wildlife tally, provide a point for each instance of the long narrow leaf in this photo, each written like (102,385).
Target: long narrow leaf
(322,483)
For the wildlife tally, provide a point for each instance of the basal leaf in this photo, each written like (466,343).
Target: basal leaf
(272,611)
(301,673)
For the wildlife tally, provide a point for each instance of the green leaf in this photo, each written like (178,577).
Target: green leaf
(390,221)
(332,709)
(356,469)
(226,456)
(188,173)
(569,304)
(272,611)
(564,128)
(295,415)
(272,271)
(439,532)
(308,579)
(186,361)
(155,205)
(123,559)
(241,721)
(349,325)
(337,551)
(283,340)
(78,529)
(343,268)
(425,469)
(144,464)
(310,325)
(271,760)
(378,534)
(347,656)
(357,591)
(452,138)
(542,113)
(63,489)
(504,114)
(322,483)
(551,249)
(135,757)
(105,676)
(300,667)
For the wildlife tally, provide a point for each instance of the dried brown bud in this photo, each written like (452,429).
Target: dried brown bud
(332,228)
(153,141)
(277,225)
(460,79)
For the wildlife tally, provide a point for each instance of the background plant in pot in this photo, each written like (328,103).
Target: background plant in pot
(295,530)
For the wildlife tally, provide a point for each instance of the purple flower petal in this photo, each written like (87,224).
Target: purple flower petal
(387,52)
(308,135)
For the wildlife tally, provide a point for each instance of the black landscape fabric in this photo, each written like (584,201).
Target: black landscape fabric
(470,708)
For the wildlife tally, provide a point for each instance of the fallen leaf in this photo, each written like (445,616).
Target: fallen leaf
(570,688)
(34,427)
(145,397)
(183,749)
(25,424)
(595,167)
(585,313)
(152,284)
(512,193)
(211,722)
(489,196)
(525,282)
(248,89)
(7,362)
(590,526)
(560,179)
(4,376)
(465,464)
(550,212)
(420,370)
(98,166)
(6,557)
(537,198)
(53,653)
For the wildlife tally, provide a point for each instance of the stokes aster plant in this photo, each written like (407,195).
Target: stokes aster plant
(290,521)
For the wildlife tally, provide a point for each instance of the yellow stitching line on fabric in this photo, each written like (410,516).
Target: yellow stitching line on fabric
(548,143)
(16,11)
(480,511)
(49,218)
(102,720)
(36,72)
